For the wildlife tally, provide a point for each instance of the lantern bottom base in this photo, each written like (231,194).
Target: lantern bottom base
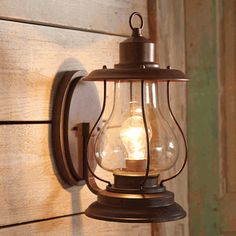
(143,208)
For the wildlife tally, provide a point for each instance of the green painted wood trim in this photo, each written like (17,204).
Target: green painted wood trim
(202,116)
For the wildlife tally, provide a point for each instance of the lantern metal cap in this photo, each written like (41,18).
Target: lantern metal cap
(136,50)
(137,62)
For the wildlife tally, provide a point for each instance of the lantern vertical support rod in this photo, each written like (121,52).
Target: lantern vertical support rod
(90,135)
(182,134)
(84,128)
(146,132)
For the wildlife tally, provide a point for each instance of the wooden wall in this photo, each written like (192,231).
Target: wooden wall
(201,66)
(171,51)
(227,111)
(211,60)
(38,39)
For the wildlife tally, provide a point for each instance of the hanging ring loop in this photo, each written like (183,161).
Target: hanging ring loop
(131,19)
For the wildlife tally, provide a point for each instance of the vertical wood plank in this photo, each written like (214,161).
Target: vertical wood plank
(228,93)
(227,122)
(201,66)
(170,40)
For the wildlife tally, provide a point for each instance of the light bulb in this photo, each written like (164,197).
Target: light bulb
(134,138)
(133,134)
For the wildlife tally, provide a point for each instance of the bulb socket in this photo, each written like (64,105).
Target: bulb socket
(136,165)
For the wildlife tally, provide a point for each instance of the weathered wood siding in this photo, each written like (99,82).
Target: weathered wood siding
(211,64)
(171,51)
(38,39)
(227,122)
(201,66)
(78,225)
(109,17)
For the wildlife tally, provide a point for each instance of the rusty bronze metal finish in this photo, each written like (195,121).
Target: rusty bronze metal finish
(121,207)
(124,182)
(133,182)
(60,145)
(137,74)
(132,198)
(137,62)
(125,201)
(68,110)
(136,50)
(131,19)
(146,134)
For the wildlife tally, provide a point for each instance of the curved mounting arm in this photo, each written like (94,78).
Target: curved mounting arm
(182,134)
(64,156)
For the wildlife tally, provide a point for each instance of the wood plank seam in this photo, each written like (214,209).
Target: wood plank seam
(25,122)
(40,220)
(59,26)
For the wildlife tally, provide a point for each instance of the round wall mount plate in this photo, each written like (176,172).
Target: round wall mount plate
(75,102)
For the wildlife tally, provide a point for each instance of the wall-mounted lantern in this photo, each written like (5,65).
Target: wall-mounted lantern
(136,143)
